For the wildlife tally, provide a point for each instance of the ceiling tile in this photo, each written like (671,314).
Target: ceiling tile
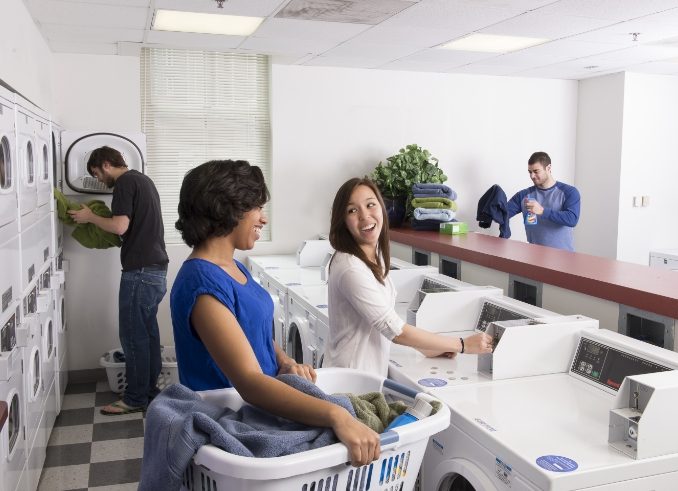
(408,35)
(618,10)
(657,67)
(88,14)
(621,33)
(308,29)
(81,34)
(358,49)
(539,25)
(550,53)
(417,66)
(344,11)
(84,48)
(251,8)
(287,46)
(446,14)
(448,57)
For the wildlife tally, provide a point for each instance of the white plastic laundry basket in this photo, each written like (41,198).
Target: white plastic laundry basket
(326,468)
(115,371)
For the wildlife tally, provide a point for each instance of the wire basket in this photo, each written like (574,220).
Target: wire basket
(326,468)
(115,371)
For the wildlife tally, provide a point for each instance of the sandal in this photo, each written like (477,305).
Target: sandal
(119,407)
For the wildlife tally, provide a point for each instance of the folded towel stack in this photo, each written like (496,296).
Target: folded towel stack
(433,204)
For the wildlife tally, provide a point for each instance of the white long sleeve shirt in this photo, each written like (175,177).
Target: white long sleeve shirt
(362,317)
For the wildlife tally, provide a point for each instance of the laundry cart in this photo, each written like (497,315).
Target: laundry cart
(326,468)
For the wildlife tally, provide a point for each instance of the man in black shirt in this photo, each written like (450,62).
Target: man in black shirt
(137,218)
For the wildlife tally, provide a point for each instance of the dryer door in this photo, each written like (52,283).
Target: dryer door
(8,200)
(78,147)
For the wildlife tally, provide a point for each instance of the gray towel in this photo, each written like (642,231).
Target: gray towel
(434,214)
(430,190)
(179,422)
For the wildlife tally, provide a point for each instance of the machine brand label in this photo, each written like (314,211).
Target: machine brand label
(557,463)
(485,425)
(503,472)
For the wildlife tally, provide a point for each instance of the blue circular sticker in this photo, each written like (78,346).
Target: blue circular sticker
(432,382)
(557,463)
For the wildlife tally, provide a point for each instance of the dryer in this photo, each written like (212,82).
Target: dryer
(12,438)
(77,146)
(9,225)
(27,188)
(35,250)
(10,285)
(551,432)
(308,326)
(61,366)
(44,164)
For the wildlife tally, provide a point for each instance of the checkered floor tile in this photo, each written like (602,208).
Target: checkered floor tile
(88,450)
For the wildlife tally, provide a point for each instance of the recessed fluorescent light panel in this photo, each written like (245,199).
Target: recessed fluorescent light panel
(492,43)
(197,22)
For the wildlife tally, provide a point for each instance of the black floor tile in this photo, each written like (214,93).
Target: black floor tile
(117,430)
(70,417)
(115,472)
(84,388)
(62,455)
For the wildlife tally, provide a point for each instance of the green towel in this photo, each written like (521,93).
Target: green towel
(372,410)
(87,234)
(442,203)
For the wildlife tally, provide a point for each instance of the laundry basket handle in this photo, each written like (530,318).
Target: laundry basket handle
(402,389)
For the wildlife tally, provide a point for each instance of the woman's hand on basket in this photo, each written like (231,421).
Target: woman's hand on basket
(362,442)
(303,370)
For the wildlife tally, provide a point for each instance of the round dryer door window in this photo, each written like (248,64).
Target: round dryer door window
(5,164)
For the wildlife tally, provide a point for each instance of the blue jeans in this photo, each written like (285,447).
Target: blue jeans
(141,290)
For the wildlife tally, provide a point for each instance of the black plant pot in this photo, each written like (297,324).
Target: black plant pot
(395,209)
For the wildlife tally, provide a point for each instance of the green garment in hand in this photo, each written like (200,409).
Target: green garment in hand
(440,203)
(373,411)
(87,234)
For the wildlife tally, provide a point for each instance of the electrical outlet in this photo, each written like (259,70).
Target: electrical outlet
(645,201)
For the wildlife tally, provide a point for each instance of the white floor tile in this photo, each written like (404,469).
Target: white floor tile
(109,450)
(66,435)
(60,478)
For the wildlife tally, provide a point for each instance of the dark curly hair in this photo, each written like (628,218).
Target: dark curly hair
(214,197)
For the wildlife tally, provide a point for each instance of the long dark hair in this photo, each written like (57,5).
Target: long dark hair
(342,240)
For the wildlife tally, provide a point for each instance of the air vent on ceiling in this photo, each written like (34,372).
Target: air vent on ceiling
(347,11)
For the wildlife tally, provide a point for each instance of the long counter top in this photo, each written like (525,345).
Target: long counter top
(643,287)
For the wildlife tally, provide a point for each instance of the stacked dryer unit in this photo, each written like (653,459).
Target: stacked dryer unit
(12,433)
(36,334)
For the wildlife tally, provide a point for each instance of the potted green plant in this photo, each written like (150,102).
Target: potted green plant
(395,178)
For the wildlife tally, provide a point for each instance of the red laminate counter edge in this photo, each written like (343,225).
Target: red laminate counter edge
(651,289)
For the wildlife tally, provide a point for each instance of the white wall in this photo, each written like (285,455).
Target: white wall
(25,59)
(599,150)
(649,166)
(330,124)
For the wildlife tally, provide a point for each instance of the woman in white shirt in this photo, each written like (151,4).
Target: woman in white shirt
(362,316)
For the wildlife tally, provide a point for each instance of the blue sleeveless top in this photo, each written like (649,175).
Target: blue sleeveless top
(250,304)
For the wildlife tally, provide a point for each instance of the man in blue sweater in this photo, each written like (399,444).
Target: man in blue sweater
(554,204)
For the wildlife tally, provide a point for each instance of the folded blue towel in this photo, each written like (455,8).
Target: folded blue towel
(431,190)
(179,422)
(439,214)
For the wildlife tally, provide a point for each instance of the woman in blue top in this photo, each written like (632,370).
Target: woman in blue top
(223,319)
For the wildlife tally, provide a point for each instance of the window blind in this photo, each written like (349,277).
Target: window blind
(198,106)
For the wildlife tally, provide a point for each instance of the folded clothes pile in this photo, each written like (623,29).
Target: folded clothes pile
(433,204)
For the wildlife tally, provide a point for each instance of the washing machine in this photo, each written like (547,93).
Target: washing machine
(34,304)
(552,432)
(276,283)
(27,189)
(10,279)
(407,277)
(12,439)
(9,225)
(77,146)
(49,330)
(44,165)
(308,325)
(458,313)
(61,365)
(310,253)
